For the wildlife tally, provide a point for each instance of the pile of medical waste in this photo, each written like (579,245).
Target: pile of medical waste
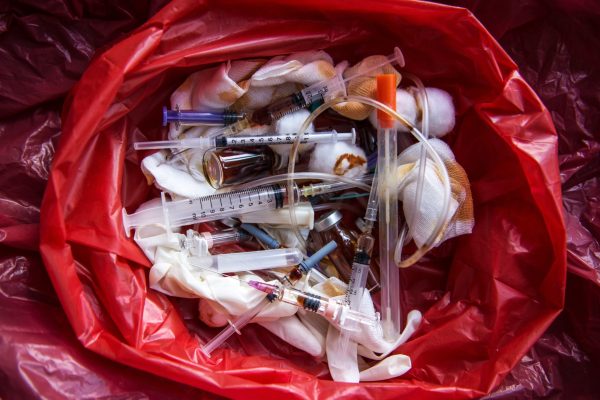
(292,191)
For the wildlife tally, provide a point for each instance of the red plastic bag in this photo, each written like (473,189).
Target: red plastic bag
(487,297)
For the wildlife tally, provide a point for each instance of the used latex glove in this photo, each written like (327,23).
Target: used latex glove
(368,342)
(290,329)
(305,67)
(173,275)
(222,298)
(284,75)
(422,219)
(171,177)
(293,331)
(150,237)
(317,326)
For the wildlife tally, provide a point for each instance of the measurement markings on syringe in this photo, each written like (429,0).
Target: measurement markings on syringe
(204,207)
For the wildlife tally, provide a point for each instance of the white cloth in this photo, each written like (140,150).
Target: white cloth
(423,218)
(172,178)
(222,298)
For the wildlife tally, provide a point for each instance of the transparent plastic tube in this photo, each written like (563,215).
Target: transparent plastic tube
(186,143)
(196,117)
(388,210)
(249,260)
(424,102)
(247,140)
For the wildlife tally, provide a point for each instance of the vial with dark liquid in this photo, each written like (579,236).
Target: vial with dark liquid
(330,228)
(235,165)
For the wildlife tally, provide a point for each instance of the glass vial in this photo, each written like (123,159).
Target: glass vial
(330,228)
(234,165)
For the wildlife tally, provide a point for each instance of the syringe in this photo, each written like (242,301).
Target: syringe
(362,255)
(196,117)
(209,208)
(292,277)
(321,91)
(248,260)
(362,259)
(337,312)
(247,140)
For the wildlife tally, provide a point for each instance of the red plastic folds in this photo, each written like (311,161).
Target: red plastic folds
(493,293)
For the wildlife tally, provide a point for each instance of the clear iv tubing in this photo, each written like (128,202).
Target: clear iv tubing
(248,261)
(413,130)
(335,179)
(424,101)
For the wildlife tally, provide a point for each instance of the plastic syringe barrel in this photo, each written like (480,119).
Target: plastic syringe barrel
(187,143)
(261,235)
(193,117)
(286,139)
(351,319)
(213,140)
(249,260)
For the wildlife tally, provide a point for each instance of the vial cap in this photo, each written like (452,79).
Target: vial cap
(386,94)
(328,220)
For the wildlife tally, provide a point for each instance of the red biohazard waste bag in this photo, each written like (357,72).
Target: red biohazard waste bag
(486,297)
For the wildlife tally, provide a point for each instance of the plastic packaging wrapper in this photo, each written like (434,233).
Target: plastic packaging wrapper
(104,292)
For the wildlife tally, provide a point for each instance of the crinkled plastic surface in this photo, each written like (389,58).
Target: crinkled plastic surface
(92,288)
